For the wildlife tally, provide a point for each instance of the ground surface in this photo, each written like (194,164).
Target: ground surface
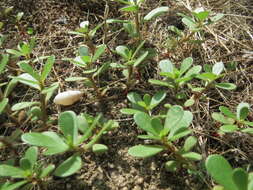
(230,40)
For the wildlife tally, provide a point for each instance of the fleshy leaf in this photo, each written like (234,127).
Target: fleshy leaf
(69,166)
(155,13)
(221,171)
(144,151)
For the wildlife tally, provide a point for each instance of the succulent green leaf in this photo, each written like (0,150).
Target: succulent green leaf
(207,76)
(49,140)
(247,130)
(68,126)
(129,111)
(140,59)
(134,97)
(226,111)
(173,117)
(69,166)
(14,52)
(203,15)
(172,165)
(123,51)
(229,128)
(193,71)
(82,124)
(155,13)
(8,186)
(160,83)
(11,85)
(31,155)
(144,151)
(226,86)
(178,133)
(47,67)
(166,66)
(217,17)
(99,148)
(221,171)
(23,105)
(28,68)
(130,8)
(242,111)
(219,117)
(83,51)
(143,121)
(99,51)
(192,156)
(4,61)
(3,104)
(102,69)
(189,102)
(218,68)
(189,23)
(46,171)
(240,178)
(189,143)
(11,171)
(25,165)
(186,64)
(157,98)
(27,79)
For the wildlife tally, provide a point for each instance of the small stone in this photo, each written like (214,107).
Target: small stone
(139,180)
(137,187)
(124,188)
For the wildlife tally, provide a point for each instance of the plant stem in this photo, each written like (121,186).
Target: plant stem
(137,25)
(90,44)
(44,116)
(129,77)
(178,156)
(96,138)
(94,84)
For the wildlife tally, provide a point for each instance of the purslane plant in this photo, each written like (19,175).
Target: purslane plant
(88,62)
(133,27)
(29,173)
(175,127)
(232,122)
(37,80)
(24,49)
(175,78)
(229,179)
(132,59)
(195,23)
(88,34)
(210,78)
(145,104)
(70,140)
(9,86)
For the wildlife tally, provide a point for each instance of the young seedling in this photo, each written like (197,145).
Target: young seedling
(229,179)
(71,140)
(210,77)
(232,122)
(165,135)
(4,100)
(24,50)
(91,71)
(176,78)
(196,23)
(133,27)
(132,60)
(145,104)
(88,34)
(37,80)
(28,174)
